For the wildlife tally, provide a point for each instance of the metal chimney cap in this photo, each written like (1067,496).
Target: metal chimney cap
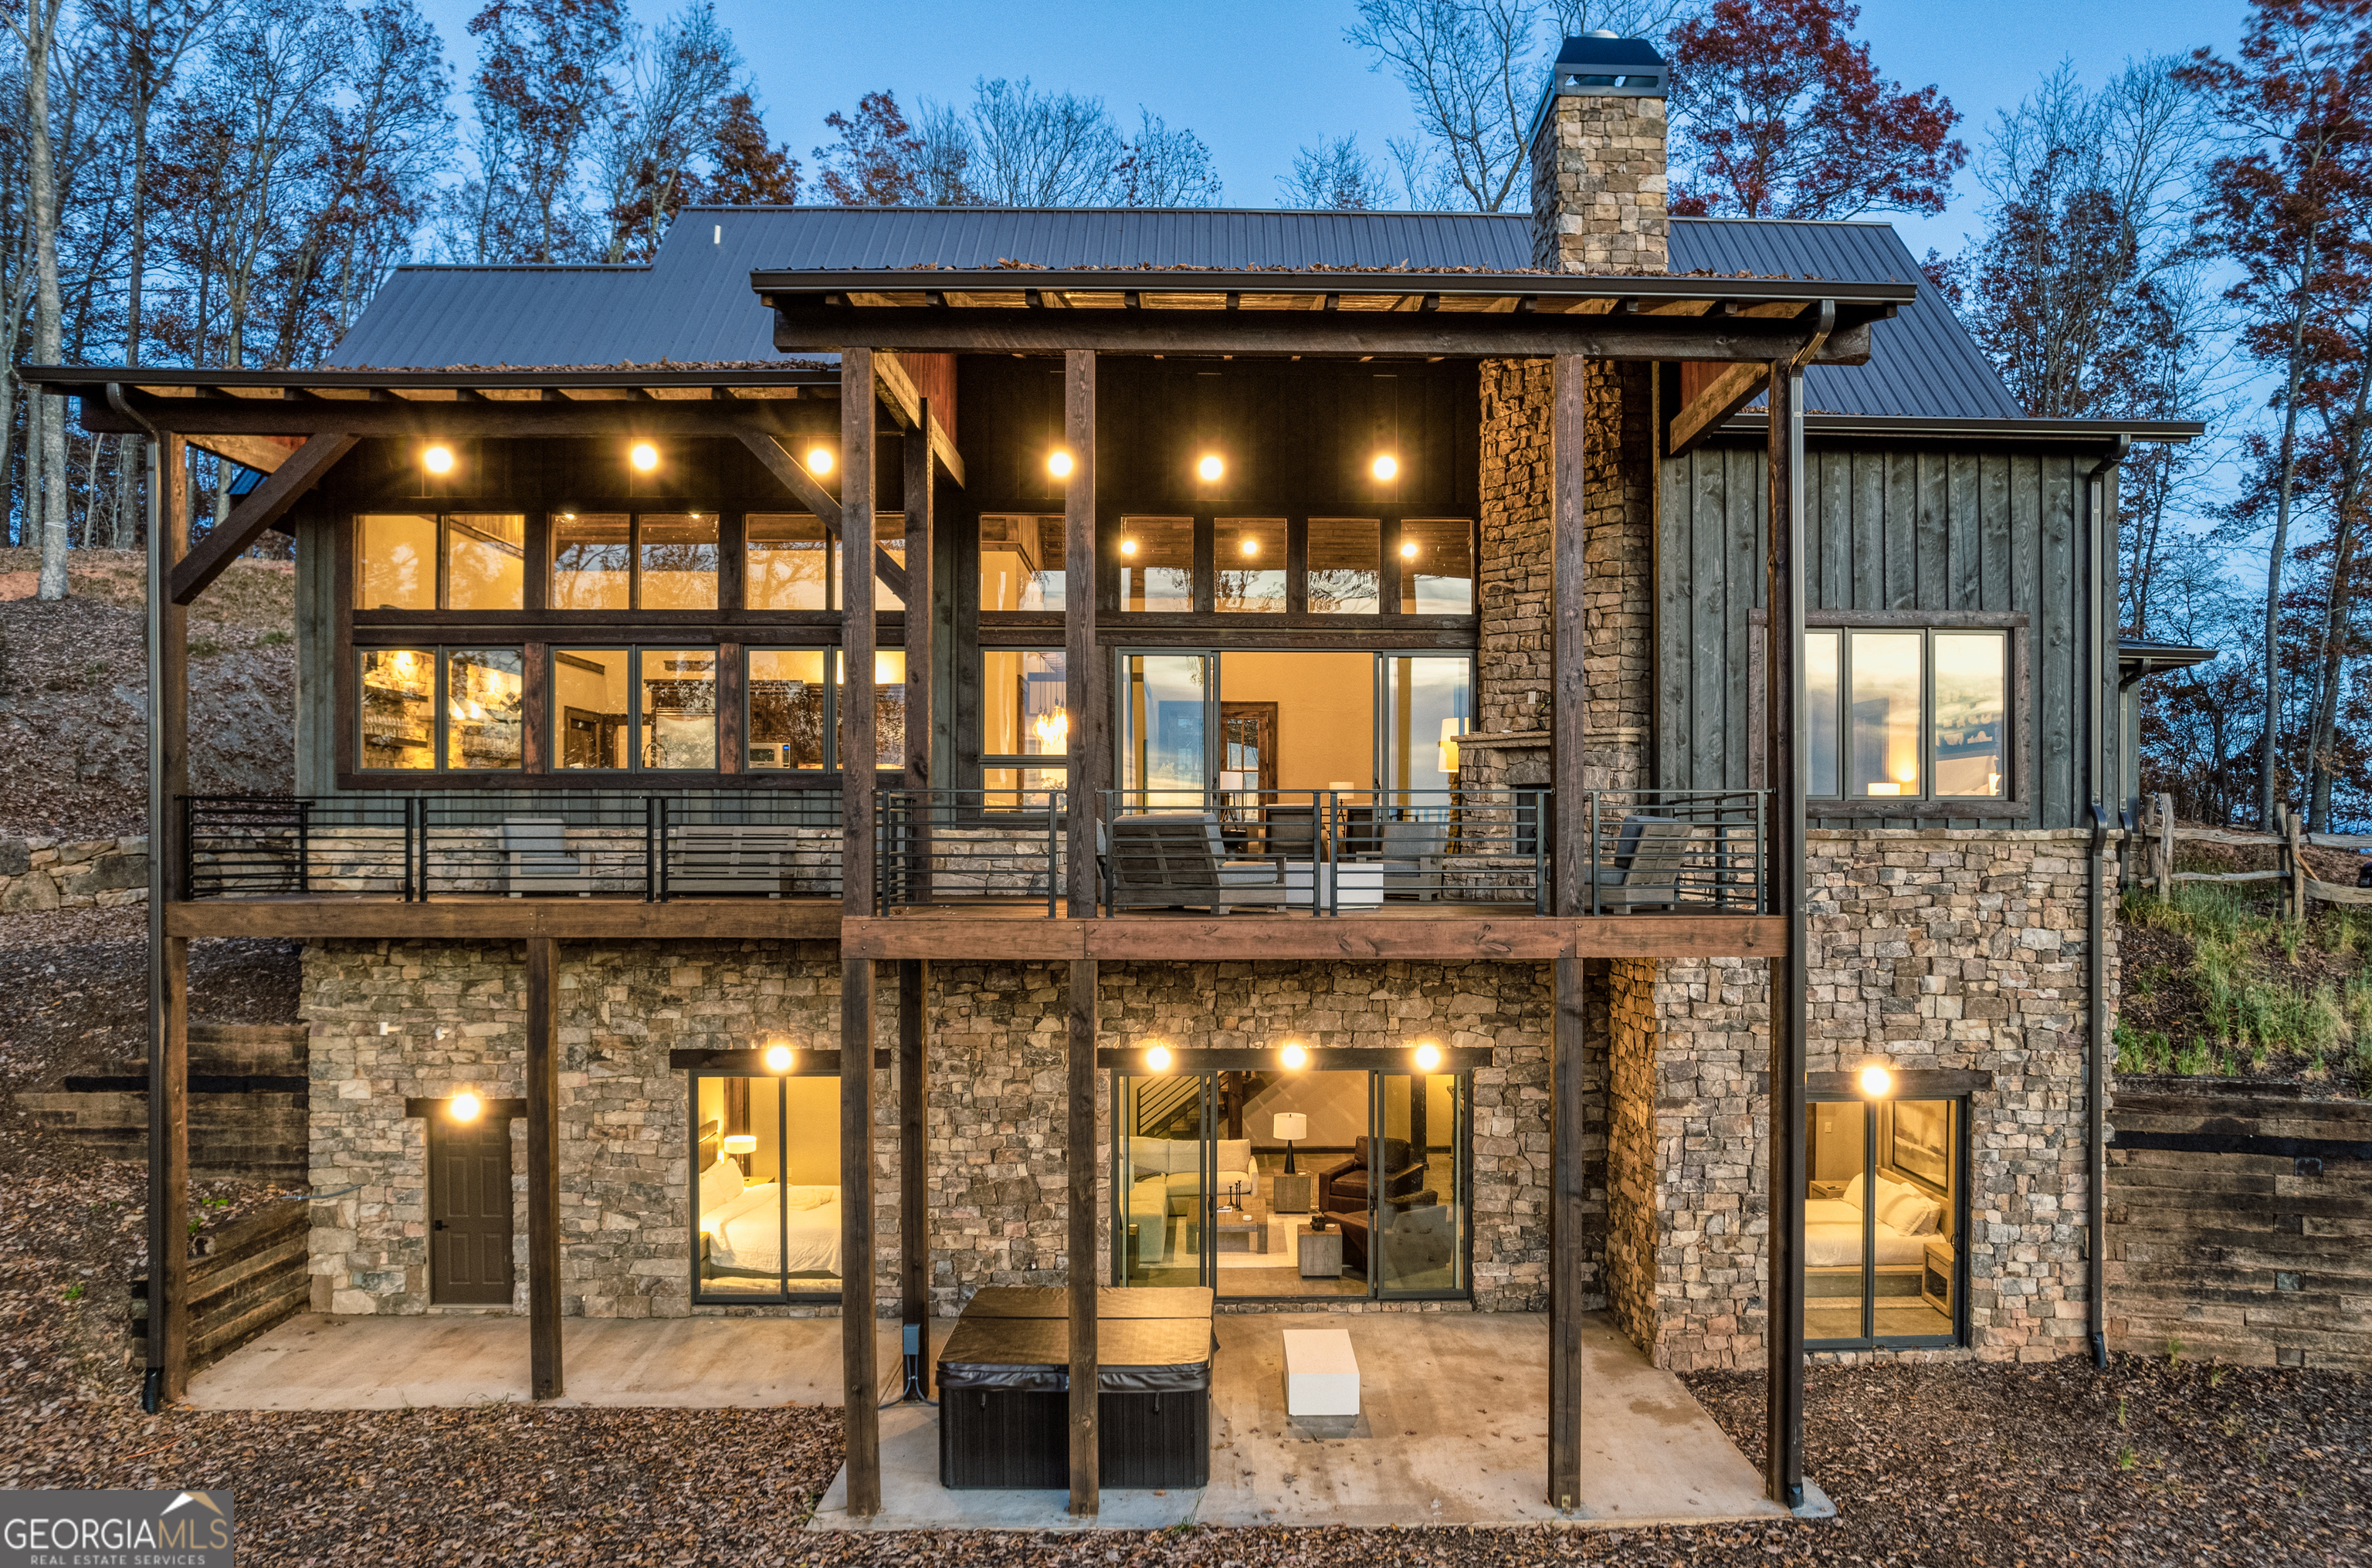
(1598,65)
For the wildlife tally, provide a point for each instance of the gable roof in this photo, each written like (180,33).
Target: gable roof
(692,304)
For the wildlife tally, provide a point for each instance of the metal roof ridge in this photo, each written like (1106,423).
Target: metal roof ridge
(1230,212)
(1808,223)
(604,268)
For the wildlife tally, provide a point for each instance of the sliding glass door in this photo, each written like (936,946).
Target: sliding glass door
(1883,1222)
(1166,728)
(1284,1185)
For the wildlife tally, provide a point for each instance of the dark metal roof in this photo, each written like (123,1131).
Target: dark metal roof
(1922,364)
(2136,658)
(1587,51)
(693,304)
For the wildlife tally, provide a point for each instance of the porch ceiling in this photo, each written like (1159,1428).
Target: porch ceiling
(1321,313)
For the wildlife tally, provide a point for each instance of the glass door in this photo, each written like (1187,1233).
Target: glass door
(1167,725)
(1162,1174)
(1882,1232)
(1420,1222)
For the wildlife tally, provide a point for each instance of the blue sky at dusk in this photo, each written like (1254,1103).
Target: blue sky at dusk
(1257,80)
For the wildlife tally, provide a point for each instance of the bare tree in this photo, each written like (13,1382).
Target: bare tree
(676,87)
(1332,175)
(1163,168)
(1034,149)
(542,86)
(37,34)
(1469,68)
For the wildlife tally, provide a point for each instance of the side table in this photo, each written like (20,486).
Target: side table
(1293,1194)
(1321,1253)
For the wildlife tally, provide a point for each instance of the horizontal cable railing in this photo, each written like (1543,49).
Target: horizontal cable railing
(1676,851)
(514,844)
(967,846)
(1322,851)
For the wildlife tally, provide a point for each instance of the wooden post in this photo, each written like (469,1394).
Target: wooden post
(1082,659)
(920,643)
(860,1376)
(1784,593)
(1567,1195)
(913,1162)
(169,956)
(1569,697)
(1568,708)
(2299,872)
(2165,846)
(1079,1163)
(546,1380)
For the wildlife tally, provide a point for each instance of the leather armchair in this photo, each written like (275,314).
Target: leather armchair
(1392,1168)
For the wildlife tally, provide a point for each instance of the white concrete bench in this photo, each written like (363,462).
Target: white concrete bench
(1321,1376)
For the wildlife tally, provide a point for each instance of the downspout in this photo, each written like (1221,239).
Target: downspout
(2096,956)
(152,1380)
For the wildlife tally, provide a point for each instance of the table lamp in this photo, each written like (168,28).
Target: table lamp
(1289,1128)
(740,1146)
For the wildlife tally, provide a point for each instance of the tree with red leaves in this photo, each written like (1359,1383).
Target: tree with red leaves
(2290,212)
(1780,115)
(875,163)
(745,168)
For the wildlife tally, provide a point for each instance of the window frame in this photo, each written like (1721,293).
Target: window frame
(1058,762)
(440,714)
(803,1066)
(634,648)
(2016,799)
(1963,1145)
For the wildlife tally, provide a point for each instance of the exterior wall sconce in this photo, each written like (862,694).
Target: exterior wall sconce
(1877,1080)
(1157,1059)
(1294,1058)
(1251,547)
(644,455)
(438,460)
(1385,468)
(1427,1057)
(1408,549)
(1128,547)
(465,1107)
(780,1058)
(1209,470)
(1059,463)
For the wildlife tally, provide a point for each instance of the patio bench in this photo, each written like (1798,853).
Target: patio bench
(1644,870)
(730,857)
(536,859)
(1177,860)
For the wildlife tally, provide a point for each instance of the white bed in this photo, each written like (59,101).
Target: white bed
(744,1225)
(1908,1220)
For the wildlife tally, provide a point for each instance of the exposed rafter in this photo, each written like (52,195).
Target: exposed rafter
(263,506)
(795,478)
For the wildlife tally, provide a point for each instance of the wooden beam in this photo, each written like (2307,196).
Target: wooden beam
(1568,688)
(1080,1165)
(1568,1206)
(1187,938)
(564,919)
(263,453)
(546,1378)
(1708,401)
(1262,1058)
(908,403)
(860,1376)
(919,592)
(400,418)
(808,329)
(1082,657)
(1910,1082)
(811,493)
(168,956)
(261,508)
(857,716)
(1783,596)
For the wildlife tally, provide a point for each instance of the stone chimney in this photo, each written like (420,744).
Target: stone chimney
(1598,160)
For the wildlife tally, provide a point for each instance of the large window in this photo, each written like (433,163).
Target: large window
(652,561)
(1025,724)
(766,1215)
(1345,556)
(1907,714)
(791,563)
(790,707)
(635,709)
(423,709)
(1021,563)
(440,560)
(1273,565)
(1156,564)
(1885,1217)
(1248,563)
(889,707)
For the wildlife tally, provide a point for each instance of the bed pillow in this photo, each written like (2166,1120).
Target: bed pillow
(719,1185)
(1908,1210)
(1852,1194)
(796,1199)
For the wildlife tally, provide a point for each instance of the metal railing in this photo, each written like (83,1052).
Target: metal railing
(1323,851)
(967,846)
(489,843)
(1676,851)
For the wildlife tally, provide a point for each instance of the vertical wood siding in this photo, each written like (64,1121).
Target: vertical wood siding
(1893,527)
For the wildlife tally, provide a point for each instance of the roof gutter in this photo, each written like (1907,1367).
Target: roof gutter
(2097,494)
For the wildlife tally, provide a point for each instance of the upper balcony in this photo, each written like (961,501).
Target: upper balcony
(1294,873)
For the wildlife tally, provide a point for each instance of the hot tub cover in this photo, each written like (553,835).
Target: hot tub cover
(1135,1355)
(1111,1301)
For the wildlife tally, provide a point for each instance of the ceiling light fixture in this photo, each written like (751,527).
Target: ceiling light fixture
(1128,547)
(1386,467)
(819,460)
(465,1107)
(1157,1059)
(1876,1080)
(1294,1058)
(1428,1057)
(438,460)
(1059,463)
(1210,468)
(1250,547)
(1408,549)
(644,455)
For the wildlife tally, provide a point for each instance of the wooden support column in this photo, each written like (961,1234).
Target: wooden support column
(546,1379)
(922,638)
(861,1379)
(1783,702)
(913,1167)
(1569,806)
(169,956)
(1569,695)
(1082,659)
(1567,1193)
(1079,1162)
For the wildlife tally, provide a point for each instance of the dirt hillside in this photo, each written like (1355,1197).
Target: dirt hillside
(73,691)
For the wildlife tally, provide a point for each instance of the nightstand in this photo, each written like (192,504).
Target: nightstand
(1935,1276)
(1829,1190)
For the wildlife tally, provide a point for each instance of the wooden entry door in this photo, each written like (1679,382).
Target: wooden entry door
(470,1210)
(1248,741)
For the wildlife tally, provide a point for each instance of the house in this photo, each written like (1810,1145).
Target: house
(1416,763)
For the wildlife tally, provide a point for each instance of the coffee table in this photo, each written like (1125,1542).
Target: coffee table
(1238,1231)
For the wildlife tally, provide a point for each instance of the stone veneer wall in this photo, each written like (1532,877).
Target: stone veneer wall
(1598,186)
(47,874)
(998,1171)
(1930,949)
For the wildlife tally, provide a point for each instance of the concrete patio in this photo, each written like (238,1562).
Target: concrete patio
(1453,1428)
